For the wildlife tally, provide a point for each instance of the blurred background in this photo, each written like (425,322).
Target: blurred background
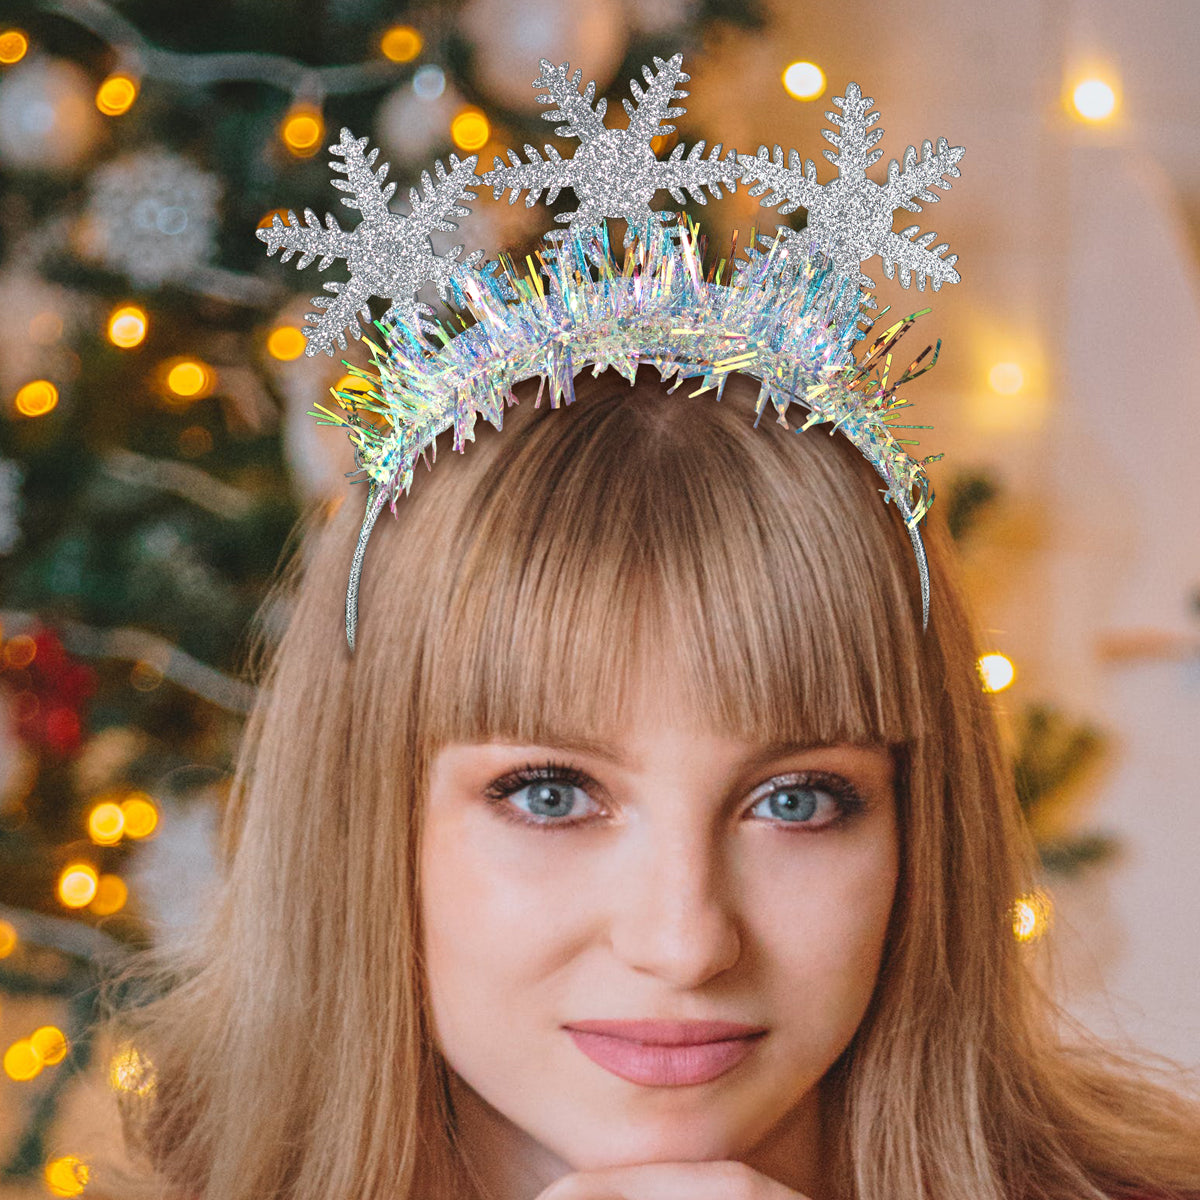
(156,444)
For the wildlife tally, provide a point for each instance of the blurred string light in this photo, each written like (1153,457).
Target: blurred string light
(302,129)
(997,671)
(13,46)
(116,94)
(77,885)
(1032,916)
(111,894)
(188,378)
(803,80)
(127,326)
(121,814)
(141,815)
(36,398)
(1006,378)
(26,1057)
(202,70)
(470,129)
(106,823)
(285,342)
(401,43)
(8,938)
(66,1175)
(1094,99)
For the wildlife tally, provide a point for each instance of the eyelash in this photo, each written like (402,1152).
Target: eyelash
(847,800)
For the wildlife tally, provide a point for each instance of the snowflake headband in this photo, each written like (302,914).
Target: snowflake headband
(788,313)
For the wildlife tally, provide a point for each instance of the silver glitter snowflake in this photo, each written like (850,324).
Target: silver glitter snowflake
(850,218)
(152,216)
(614,172)
(388,255)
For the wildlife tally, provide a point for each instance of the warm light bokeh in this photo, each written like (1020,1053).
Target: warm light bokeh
(190,379)
(302,130)
(66,1175)
(141,815)
(36,398)
(285,343)
(401,43)
(106,823)
(116,95)
(49,1043)
(127,326)
(470,129)
(1094,100)
(21,1061)
(77,885)
(111,894)
(1006,378)
(803,80)
(997,671)
(13,46)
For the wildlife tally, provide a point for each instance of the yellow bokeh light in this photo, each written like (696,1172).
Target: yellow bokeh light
(1006,378)
(36,398)
(8,938)
(77,885)
(19,651)
(116,94)
(111,894)
(803,80)
(470,129)
(285,343)
(302,130)
(141,815)
(354,384)
(1094,100)
(1032,915)
(131,1071)
(22,1061)
(997,672)
(401,43)
(106,823)
(49,1044)
(190,379)
(66,1176)
(13,46)
(127,326)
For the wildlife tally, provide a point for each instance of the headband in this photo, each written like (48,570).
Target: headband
(787,313)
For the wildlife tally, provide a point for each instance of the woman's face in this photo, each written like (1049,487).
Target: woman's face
(686,877)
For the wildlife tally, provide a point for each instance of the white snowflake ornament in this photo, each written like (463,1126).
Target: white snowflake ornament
(388,255)
(615,172)
(850,218)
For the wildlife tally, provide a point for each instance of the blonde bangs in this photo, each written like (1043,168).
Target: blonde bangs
(650,536)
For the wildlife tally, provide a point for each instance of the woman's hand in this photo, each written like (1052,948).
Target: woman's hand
(670,1181)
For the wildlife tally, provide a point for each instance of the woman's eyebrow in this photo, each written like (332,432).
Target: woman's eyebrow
(598,748)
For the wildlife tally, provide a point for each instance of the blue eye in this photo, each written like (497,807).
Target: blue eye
(550,786)
(552,790)
(798,803)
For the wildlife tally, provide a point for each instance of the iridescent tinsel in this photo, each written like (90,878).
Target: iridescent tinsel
(771,321)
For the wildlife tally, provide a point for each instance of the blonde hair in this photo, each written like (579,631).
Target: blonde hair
(520,586)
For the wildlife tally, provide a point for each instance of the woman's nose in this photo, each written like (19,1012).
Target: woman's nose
(673,914)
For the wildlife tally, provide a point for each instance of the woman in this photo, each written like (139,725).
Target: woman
(641,725)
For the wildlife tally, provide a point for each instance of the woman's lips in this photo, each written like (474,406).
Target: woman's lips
(664,1066)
